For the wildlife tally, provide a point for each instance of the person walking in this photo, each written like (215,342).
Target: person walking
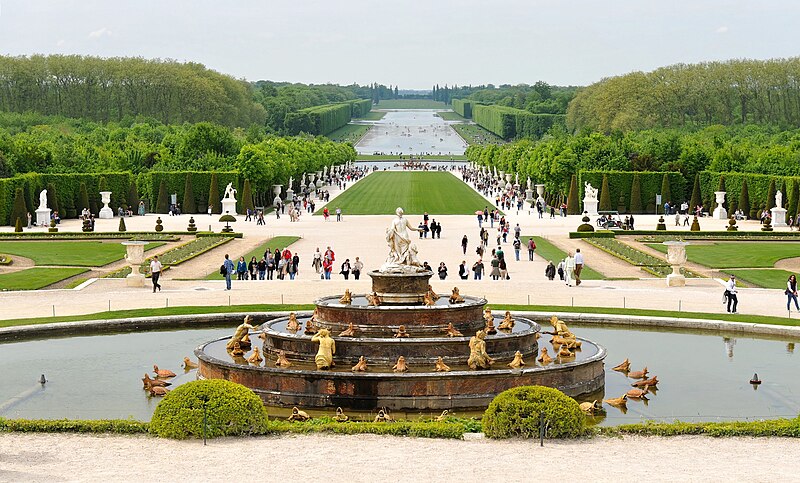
(531,249)
(578,266)
(346,269)
(495,263)
(442,271)
(228,268)
(358,266)
(550,271)
(241,269)
(478,268)
(262,268)
(270,263)
(503,269)
(327,268)
(791,293)
(316,263)
(730,294)
(338,214)
(569,269)
(292,266)
(155,273)
(517,231)
(463,274)
(517,245)
(464,242)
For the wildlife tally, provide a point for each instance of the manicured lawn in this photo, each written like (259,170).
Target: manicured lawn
(410,104)
(416,192)
(738,254)
(349,133)
(431,157)
(373,116)
(763,277)
(273,243)
(450,116)
(474,134)
(547,251)
(36,278)
(73,253)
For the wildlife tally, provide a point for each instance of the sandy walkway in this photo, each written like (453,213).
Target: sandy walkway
(52,457)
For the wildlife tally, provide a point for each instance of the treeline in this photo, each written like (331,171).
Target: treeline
(554,159)
(106,90)
(323,120)
(539,98)
(694,95)
(510,123)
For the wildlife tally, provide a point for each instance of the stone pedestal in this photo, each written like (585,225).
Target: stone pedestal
(134,256)
(590,206)
(106,213)
(778,216)
(229,206)
(276,189)
(719,212)
(289,195)
(676,257)
(43,217)
(400,288)
(529,196)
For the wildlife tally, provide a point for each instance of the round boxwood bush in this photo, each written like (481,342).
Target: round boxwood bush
(232,410)
(515,413)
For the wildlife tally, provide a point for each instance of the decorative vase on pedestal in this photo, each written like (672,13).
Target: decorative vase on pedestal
(276,189)
(676,257)
(719,212)
(106,213)
(135,257)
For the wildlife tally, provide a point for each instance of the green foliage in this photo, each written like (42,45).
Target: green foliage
(162,200)
(83,198)
(771,194)
(102,185)
(786,428)
(132,197)
(721,185)
(122,226)
(231,410)
(509,122)
(605,195)
(119,426)
(463,107)
(573,206)
(360,107)
(18,225)
(635,203)
(319,120)
(247,196)
(515,413)
(760,188)
(744,198)
(20,210)
(37,277)
(214,201)
(189,201)
(666,192)
(52,198)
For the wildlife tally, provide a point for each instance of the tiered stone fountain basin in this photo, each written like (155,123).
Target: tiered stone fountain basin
(421,387)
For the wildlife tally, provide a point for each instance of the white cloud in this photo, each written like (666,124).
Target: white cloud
(100,33)
(721,30)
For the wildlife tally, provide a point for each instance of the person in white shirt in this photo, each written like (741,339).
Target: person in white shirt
(578,266)
(155,273)
(569,269)
(730,294)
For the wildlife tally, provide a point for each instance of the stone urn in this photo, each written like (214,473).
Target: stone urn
(106,213)
(276,189)
(676,257)
(719,212)
(135,257)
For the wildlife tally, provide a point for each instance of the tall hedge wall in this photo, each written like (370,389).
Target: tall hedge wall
(67,190)
(463,107)
(318,120)
(757,188)
(508,122)
(620,182)
(360,107)
(176,183)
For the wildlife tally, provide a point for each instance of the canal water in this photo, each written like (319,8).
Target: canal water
(412,132)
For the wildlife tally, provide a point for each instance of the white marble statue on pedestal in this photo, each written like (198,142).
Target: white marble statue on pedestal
(402,253)
(229,200)
(590,199)
(43,212)
(779,212)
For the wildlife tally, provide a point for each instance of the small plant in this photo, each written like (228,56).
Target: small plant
(767,225)
(516,413)
(122,224)
(230,410)
(695,225)
(159,227)
(53,227)
(661,226)
(732,224)
(18,225)
(87,226)
(192,227)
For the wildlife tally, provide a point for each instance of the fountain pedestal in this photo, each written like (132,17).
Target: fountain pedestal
(778,216)
(43,217)
(229,206)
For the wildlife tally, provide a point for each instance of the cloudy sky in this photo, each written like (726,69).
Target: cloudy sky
(413,43)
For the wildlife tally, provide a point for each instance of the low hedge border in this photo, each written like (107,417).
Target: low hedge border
(6,260)
(128,235)
(789,428)
(691,235)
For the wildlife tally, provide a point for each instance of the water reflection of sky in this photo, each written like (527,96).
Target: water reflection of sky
(418,132)
(703,377)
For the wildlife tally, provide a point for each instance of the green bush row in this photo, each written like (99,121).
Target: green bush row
(757,190)
(463,107)
(620,184)
(175,183)
(318,120)
(772,427)
(121,426)
(626,252)
(360,107)
(509,122)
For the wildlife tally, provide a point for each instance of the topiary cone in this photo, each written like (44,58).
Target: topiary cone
(695,225)
(159,227)
(122,226)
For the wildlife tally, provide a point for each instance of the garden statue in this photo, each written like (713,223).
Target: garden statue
(374,299)
(293,325)
(327,348)
(778,199)
(529,182)
(236,350)
(347,298)
(291,180)
(561,334)
(230,191)
(401,332)
(452,331)
(489,318)
(341,417)
(298,415)
(589,192)
(428,299)
(382,416)
(242,333)
(455,297)
(441,366)
(282,360)
(311,329)
(43,200)
(361,365)
(507,323)
(401,365)
(544,357)
(517,362)
(255,357)
(350,331)
(477,352)
(402,253)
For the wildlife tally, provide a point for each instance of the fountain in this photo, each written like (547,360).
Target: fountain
(676,256)
(403,371)
(134,256)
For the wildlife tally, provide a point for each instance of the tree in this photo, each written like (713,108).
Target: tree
(133,196)
(697,198)
(189,203)
(793,199)
(122,226)
(573,207)
(666,192)
(744,199)
(83,198)
(721,185)
(247,196)
(213,195)
(605,195)
(771,194)
(103,184)
(52,199)
(19,209)
(636,195)
(162,202)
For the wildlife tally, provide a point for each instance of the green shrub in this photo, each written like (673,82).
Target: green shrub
(18,225)
(122,226)
(515,412)
(744,198)
(213,195)
(52,199)
(83,198)
(605,195)
(189,202)
(231,410)
(666,192)
(697,198)
(635,204)
(20,210)
(573,206)
(162,203)
(247,197)
(621,186)
(159,226)
(120,426)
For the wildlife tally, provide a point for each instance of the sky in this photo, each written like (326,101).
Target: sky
(415,43)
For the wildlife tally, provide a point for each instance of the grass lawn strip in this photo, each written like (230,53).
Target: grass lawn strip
(177,255)
(763,277)
(547,251)
(474,134)
(450,116)
(36,277)
(381,193)
(349,133)
(738,254)
(68,253)
(372,116)
(273,243)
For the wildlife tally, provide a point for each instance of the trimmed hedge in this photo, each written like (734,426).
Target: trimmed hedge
(515,413)
(318,120)
(758,189)
(175,183)
(509,122)
(788,428)
(360,107)
(621,182)
(231,410)
(120,426)
(463,107)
